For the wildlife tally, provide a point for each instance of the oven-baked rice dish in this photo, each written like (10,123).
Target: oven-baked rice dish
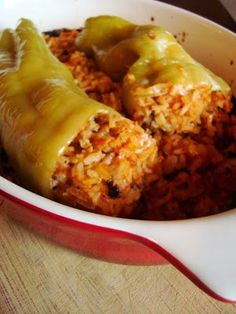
(178,163)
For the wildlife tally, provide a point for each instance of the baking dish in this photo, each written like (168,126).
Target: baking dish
(203,248)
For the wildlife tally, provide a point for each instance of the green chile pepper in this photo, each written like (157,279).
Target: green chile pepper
(41,109)
(143,56)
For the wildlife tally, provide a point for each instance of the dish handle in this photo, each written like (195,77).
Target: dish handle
(204,249)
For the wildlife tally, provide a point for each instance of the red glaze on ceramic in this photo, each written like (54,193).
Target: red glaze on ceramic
(90,240)
(204,248)
(95,241)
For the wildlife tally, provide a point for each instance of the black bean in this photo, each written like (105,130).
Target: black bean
(231,154)
(113,190)
(233,111)
(65,52)
(183,185)
(56,32)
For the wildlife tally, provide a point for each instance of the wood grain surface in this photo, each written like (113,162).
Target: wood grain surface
(38,276)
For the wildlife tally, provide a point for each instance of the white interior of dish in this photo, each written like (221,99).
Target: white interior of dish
(191,241)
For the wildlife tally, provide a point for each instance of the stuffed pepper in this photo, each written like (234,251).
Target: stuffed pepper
(63,144)
(164,88)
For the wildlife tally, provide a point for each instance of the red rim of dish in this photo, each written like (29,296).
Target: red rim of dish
(154,246)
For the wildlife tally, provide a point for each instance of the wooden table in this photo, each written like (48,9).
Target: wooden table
(38,276)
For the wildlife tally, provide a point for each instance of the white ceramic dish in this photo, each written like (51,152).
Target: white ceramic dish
(203,248)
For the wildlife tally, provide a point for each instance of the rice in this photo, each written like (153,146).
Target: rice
(168,108)
(194,173)
(195,132)
(95,83)
(195,179)
(106,166)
